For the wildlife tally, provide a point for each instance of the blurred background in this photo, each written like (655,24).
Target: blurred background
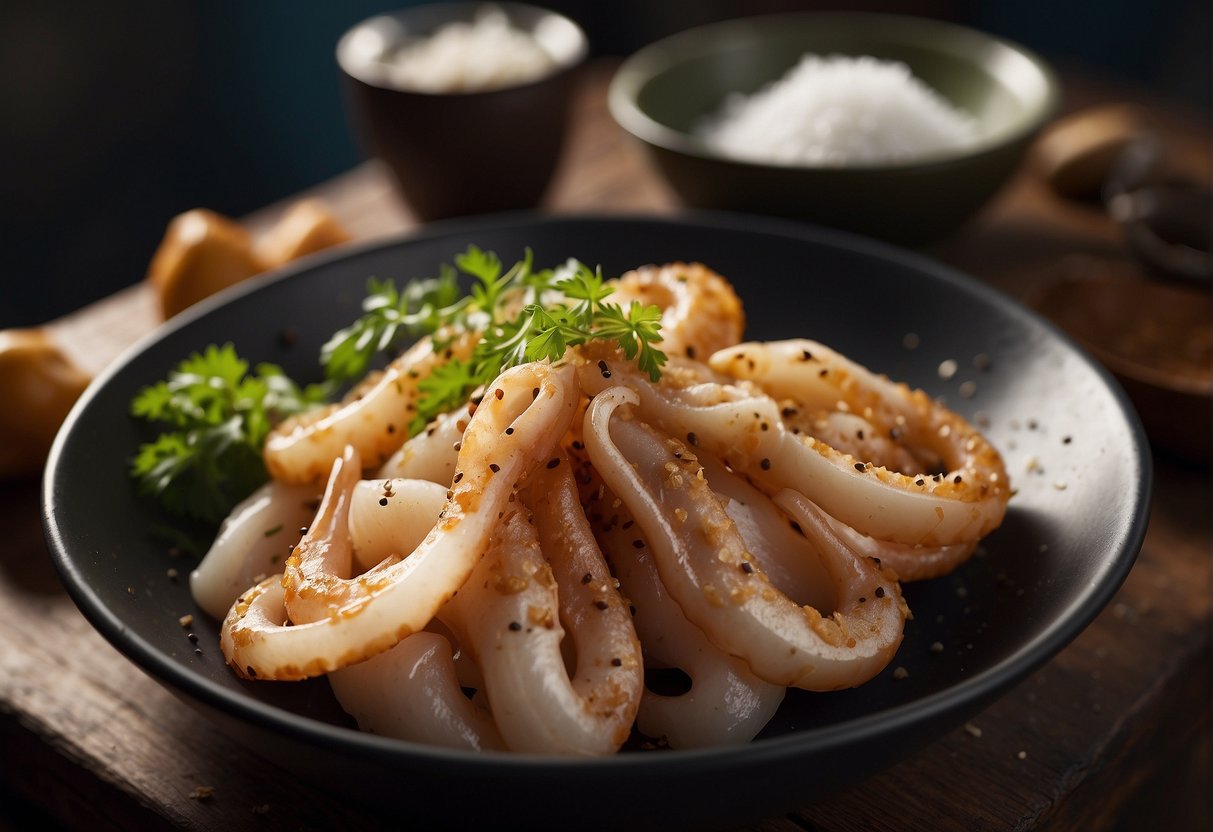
(119,115)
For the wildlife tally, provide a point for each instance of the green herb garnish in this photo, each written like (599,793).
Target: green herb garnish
(218,415)
(522,314)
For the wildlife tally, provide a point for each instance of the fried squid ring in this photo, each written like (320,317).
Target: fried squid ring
(911,563)
(373,417)
(252,543)
(705,566)
(744,428)
(726,703)
(512,615)
(432,454)
(790,560)
(411,692)
(390,517)
(700,312)
(820,378)
(775,540)
(338,621)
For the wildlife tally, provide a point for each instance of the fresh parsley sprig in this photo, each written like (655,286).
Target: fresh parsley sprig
(523,314)
(218,415)
(560,308)
(424,307)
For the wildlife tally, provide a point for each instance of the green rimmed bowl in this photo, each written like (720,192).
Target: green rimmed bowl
(665,90)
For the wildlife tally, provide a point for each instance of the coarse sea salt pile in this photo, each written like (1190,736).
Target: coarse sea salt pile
(485,54)
(840,110)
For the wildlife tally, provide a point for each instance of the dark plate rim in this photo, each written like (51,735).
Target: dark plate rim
(971,692)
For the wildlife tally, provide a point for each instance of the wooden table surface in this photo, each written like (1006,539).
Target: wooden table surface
(1113,731)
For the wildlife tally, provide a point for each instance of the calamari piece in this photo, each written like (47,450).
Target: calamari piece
(790,559)
(253,542)
(745,430)
(775,540)
(337,621)
(726,703)
(700,312)
(705,566)
(512,615)
(373,417)
(411,692)
(852,434)
(911,563)
(819,377)
(389,518)
(432,454)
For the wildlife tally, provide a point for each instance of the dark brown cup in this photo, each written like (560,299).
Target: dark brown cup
(461,153)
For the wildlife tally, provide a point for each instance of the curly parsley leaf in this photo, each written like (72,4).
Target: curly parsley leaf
(389,318)
(218,415)
(560,308)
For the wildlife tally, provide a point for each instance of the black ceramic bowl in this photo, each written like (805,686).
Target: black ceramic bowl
(455,153)
(1042,576)
(663,92)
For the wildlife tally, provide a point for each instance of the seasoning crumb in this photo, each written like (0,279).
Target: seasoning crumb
(1044,547)
(972,730)
(186,621)
(202,793)
(261,809)
(981,361)
(968,389)
(172,574)
(1022,755)
(900,673)
(962,592)
(948,368)
(936,646)
(911,341)
(1060,485)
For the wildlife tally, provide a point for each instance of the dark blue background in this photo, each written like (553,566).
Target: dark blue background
(116,116)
